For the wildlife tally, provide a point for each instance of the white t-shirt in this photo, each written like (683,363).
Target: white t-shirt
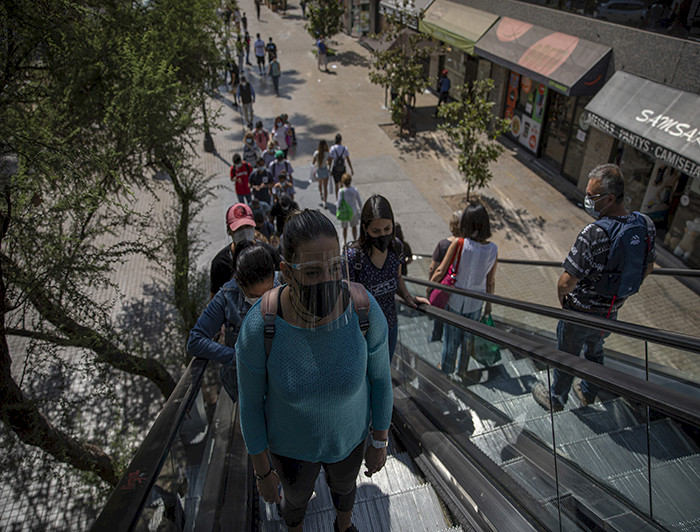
(476,262)
(259,48)
(280,135)
(352,196)
(338,150)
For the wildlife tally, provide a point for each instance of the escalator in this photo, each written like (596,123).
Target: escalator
(469,452)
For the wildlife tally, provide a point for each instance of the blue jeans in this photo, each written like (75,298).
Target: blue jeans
(571,338)
(245,198)
(455,338)
(276,84)
(393,339)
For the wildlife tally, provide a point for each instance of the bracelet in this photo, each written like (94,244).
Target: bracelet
(263,477)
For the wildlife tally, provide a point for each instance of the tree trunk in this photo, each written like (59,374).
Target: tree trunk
(30,425)
(81,336)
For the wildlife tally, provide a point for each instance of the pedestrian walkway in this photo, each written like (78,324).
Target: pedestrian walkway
(530,218)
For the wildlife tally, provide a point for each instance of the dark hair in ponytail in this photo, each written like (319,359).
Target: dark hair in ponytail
(254,262)
(304,226)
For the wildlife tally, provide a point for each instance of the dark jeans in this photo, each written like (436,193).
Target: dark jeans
(393,339)
(298,479)
(276,84)
(571,338)
(244,198)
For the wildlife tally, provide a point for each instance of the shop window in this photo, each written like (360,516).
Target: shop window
(560,120)
(577,143)
(636,168)
(683,236)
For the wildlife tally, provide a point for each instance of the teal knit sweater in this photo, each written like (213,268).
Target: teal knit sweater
(313,399)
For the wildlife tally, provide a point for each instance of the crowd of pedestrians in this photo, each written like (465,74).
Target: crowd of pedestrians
(302,318)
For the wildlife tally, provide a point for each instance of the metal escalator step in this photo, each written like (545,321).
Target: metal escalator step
(397,475)
(623,450)
(675,491)
(416,509)
(496,444)
(523,407)
(538,484)
(504,388)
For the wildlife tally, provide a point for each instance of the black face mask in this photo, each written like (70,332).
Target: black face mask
(319,299)
(380,242)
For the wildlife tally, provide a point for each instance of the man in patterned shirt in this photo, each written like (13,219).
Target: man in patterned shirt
(580,288)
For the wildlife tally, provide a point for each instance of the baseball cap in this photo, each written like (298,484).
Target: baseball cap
(239,215)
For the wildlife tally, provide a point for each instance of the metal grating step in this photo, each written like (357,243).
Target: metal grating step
(608,455)
(504,388)
(416,509)
(396,476)
(675,491)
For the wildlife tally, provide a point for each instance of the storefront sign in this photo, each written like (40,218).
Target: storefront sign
(644,145)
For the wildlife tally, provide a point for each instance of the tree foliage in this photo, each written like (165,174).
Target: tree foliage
(95,97)
(472,127)
(398,61)
(325,18)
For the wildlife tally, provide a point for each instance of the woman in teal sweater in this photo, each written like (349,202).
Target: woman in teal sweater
(310,401)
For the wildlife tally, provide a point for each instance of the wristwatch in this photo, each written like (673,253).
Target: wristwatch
(379,444)
(263,477)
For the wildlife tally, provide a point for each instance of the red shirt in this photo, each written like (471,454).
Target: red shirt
(240,177)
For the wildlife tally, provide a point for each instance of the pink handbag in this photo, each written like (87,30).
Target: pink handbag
(438,298)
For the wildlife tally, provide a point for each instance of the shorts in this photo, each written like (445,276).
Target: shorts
(322,173)
(352,223)
(261,59)
(338,175)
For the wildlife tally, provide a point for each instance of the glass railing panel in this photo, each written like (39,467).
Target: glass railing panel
(663,302)
(674,470)
(486,406)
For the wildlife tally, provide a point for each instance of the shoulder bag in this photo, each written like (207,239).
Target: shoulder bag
(438,298)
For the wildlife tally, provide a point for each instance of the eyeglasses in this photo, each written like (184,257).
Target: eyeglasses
(314,271)
(593,198)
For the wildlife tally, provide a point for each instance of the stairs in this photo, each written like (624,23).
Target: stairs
(604,440)
(395,499)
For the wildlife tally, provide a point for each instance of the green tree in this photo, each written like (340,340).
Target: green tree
(473,128)
(325,18)
(398,61)
(94,98)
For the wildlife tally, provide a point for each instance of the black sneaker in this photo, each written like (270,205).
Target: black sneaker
(542,398)
(351,528)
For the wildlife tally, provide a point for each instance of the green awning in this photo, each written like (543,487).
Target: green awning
(456,24)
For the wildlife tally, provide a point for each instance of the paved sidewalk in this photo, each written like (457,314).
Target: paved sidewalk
(531,219)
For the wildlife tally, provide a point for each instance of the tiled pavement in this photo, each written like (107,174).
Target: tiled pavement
(531,219)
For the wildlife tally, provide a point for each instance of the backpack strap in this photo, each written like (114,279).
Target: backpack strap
(268,308)
(360,301)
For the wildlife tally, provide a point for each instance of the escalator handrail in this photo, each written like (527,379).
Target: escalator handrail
(126,502)
(674,272)
(667,400)
(632,330)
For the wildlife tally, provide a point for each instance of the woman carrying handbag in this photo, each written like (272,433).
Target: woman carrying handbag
(475,269)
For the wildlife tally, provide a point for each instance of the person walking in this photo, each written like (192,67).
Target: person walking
(246,94)
(261,182)
(271,49)
(443,89)
(608,263)
(253,275)
(476,258)
(257,8)
(321,172)
(235,79)
(261,136)
(250,150)
(269,153)
(322,51)
(240,51)
(352,196)
(290,427)
(275,74)
(337,157)
(259,47)
(375,262)
(280,134)
(240,175)
(244,22)
(436,259)
(246,40)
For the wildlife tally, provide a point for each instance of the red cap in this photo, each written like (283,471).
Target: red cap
(239,215)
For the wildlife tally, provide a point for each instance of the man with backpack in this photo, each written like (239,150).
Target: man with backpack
(271,49)
(246,94)
(607,263)
(337,156)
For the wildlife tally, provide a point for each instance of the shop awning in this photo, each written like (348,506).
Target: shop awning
(655,119)
(456,24)
(565,63)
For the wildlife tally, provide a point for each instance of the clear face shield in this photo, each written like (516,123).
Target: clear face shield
(319,290)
